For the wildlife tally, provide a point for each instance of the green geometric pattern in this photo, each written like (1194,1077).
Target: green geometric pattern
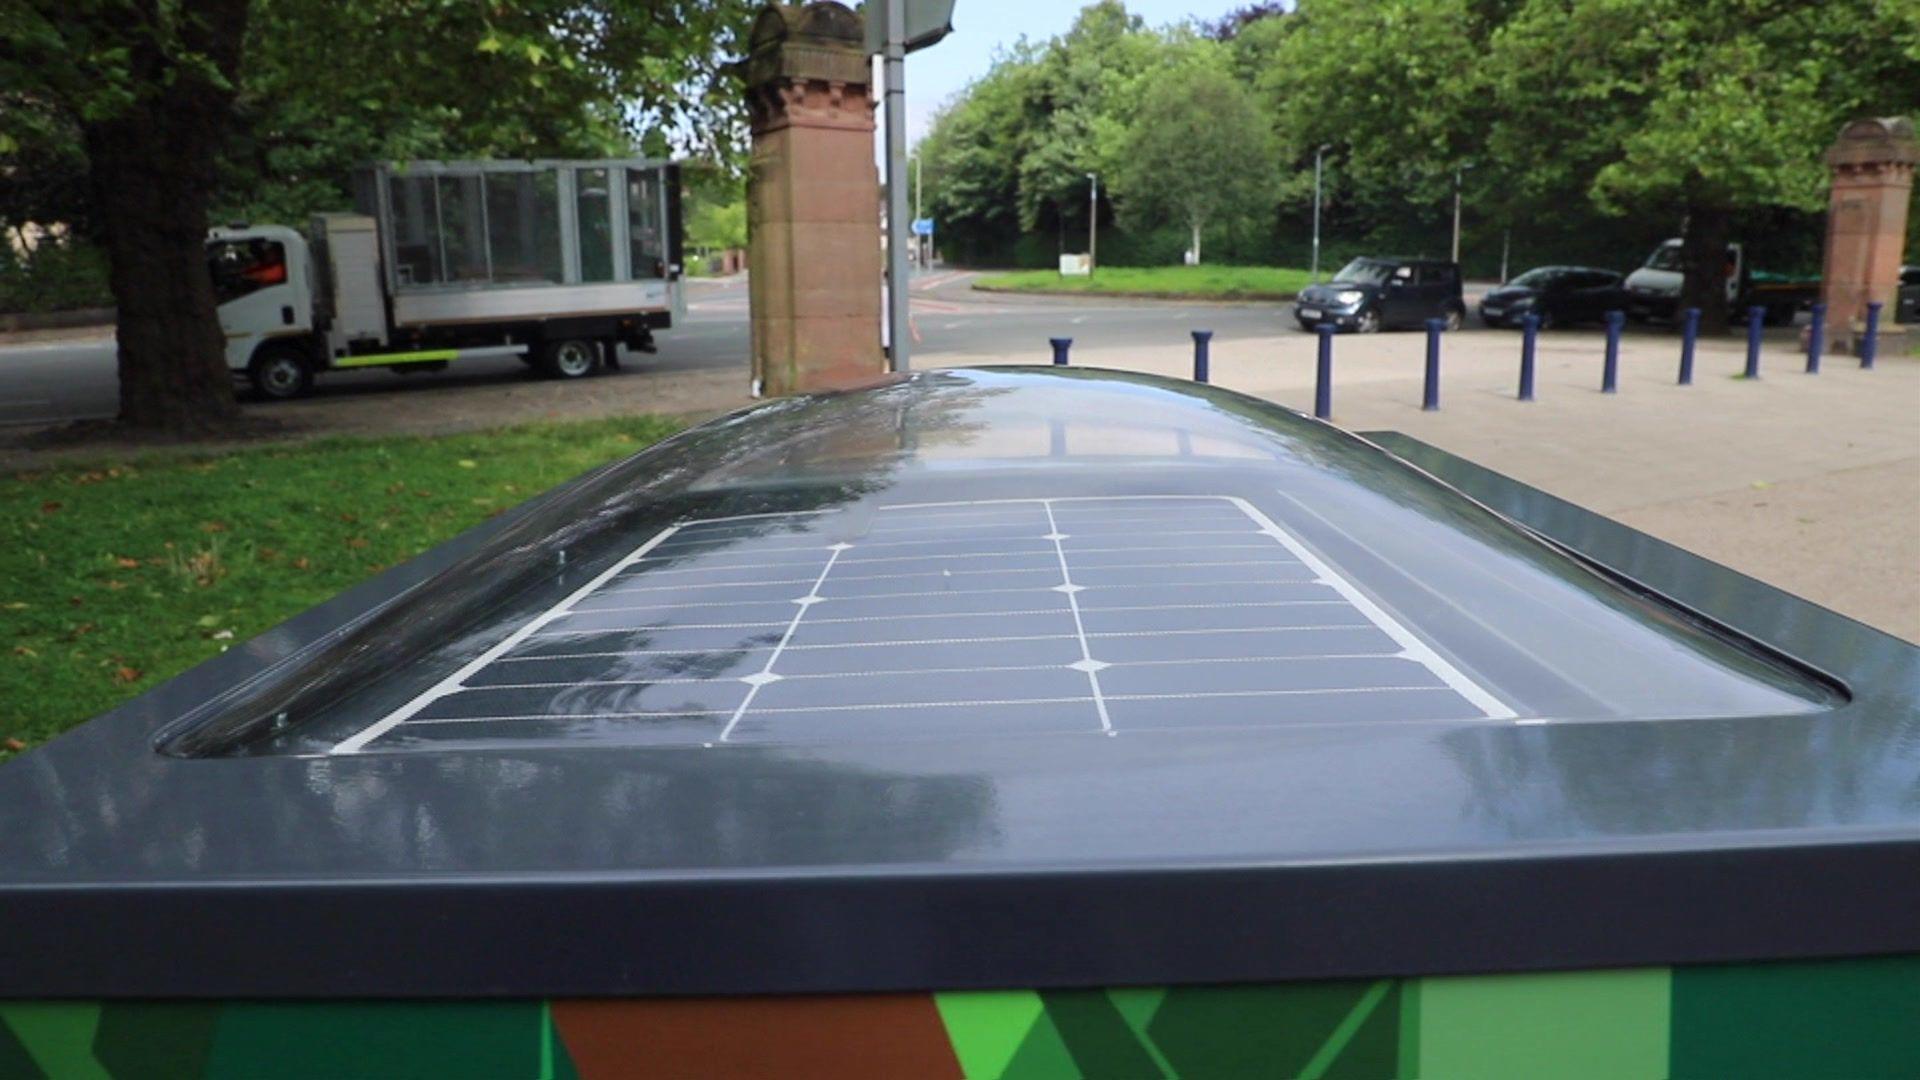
(1852,1019)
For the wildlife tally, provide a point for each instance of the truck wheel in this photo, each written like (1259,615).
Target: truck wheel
(281,372)
(572,358)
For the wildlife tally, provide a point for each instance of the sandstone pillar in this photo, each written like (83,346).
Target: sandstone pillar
(1872,163)
(813,201)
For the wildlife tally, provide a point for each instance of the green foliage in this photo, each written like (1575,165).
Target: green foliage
(121,574)
(52,276)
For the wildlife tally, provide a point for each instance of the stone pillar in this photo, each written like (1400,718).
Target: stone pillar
(813,201)
(1872,163)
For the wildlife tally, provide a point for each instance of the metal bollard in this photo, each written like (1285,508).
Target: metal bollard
(1529,330)
(1689,334)
(1060,347)
(1755,315)
(1870,343)
(1200,339)
(1610,373)
(1323,375)
(1430,393)
(1816,338)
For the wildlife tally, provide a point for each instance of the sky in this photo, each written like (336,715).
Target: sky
(981,27)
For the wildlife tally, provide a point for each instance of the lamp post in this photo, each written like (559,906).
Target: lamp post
(1318,153)
(894,67)
(1459,172)
(919,242)
(1093,219)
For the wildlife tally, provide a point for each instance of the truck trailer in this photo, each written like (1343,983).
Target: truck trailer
(1653,291)
(555,262)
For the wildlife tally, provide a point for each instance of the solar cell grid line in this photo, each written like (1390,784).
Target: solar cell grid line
(766,675)
(358,741)
(1087,662)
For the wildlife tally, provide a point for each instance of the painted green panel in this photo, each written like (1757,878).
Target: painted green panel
(1097,1036)
(15,1062)
(155,1040)
(297,1040)
(57,1035)
(1369,1043)
(1606,1025)
(1833,1018)
(1137,1004)
(1043,1055)
(987,1027)
(1207,1032)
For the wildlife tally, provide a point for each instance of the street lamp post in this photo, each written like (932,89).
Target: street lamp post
(919,242)
(1318,153)
(1459,173)
(894,67)
(1093,219)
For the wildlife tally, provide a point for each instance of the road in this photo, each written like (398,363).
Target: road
(57,381)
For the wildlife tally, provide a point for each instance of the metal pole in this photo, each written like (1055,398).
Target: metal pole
(1458,173)
(895,73)
(1754,316)
(1093,220)
(1689,333)
(1870,344)
(1430,392)
(1200,339)
(1506,245)
(919,242)
(1323,374)
(1816,338)
(1317,155)
(1529,331)
(1060,347)
(1610,374)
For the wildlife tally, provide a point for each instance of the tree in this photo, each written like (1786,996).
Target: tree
(1199,153)
(296,93)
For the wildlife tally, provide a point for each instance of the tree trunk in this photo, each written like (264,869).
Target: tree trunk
(1703,254)
(150,167)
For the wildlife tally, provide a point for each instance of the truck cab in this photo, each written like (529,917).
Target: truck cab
(263,279)
(1653,291)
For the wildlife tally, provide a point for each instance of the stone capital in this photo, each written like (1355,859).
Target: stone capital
(807,65)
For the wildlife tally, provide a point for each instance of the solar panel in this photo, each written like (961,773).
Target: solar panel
(1081,615)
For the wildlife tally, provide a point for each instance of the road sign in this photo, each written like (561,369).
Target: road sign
(927,21)
(923,226)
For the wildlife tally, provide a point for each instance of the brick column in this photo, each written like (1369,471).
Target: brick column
(813,201)
(1872,163)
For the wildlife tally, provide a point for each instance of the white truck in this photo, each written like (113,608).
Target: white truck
(1653,291)
(555,262)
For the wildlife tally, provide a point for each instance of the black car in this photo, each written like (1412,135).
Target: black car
(1370,294)
(1557,295)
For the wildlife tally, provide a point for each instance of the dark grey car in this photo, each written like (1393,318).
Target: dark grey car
(1370,294)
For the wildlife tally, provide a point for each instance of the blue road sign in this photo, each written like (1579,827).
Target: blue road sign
(923,226)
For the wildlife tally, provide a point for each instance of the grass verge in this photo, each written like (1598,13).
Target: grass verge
(120,574)
(1174,282)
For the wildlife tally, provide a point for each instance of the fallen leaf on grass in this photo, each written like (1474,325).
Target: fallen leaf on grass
(14,746)
(356,541)
(266,554)
(50,507)
(18,605)
(469,463)
(125,563)
(22,650)
(213,526)
(126,674)
(223,635)
(208,621)
(350,518)
(116,585)
(301,563)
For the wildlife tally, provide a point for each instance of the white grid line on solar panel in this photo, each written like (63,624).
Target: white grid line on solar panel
(1057,499)
(788,710)
(929,670)
(950,618)
(917,614)
(1087,662)
(951,640)
(357,741)
(969,573)
(801,613)
(1188,516)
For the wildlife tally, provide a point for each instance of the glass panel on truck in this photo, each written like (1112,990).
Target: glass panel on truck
(243,266)
(416,240)
(594,205)
(463,229)
(644,233)
(523,228)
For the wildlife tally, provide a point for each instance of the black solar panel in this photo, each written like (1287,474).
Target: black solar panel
(990,618)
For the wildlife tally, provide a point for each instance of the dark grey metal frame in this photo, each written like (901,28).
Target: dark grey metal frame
(126,872)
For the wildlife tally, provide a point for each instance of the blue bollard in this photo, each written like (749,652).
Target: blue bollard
(1060,347)
(1430,393)
(1689,334)
(1529,330)
(1870,342)
(1610,373)
(1755,316)
(1323,375)
(1816,338)
(1200,339)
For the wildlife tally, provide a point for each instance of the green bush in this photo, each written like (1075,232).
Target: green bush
(53,277)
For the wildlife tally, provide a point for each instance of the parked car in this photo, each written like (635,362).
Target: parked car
(1906,304)
(1556,295)
(1370,294)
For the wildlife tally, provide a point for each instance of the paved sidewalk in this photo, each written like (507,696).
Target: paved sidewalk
(1809,482)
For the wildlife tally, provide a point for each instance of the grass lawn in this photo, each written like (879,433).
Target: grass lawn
(1205,282)
(118,575)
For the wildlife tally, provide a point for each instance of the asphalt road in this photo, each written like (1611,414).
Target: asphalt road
(57,381)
